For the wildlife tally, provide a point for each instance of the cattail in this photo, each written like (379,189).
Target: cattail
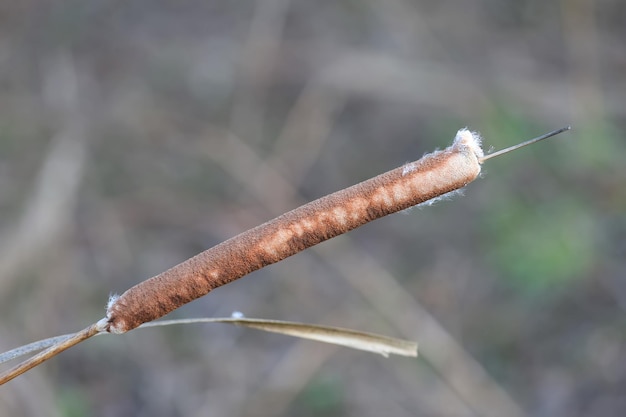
(433,175)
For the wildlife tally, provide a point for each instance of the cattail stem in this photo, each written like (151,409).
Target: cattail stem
(433,175)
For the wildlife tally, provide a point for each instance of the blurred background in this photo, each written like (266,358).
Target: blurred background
(134,135)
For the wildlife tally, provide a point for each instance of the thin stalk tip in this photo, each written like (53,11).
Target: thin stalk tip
(521,145)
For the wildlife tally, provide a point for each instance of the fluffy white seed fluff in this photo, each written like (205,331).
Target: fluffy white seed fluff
(471,140)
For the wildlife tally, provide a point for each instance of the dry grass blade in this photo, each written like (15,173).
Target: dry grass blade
(369,342)
(9,355)
(57,348)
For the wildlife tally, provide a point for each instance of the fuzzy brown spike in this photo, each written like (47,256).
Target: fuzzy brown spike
(433,175)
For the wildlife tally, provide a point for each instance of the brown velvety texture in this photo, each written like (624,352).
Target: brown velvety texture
(433,175)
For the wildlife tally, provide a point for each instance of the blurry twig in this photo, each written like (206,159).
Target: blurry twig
(306,130)
(257,64)
(582,46)
(49,206)
(288,377)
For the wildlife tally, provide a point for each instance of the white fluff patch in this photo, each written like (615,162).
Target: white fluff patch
(408,168)
(470,140)
(112,299)
(103,324)
(442,197)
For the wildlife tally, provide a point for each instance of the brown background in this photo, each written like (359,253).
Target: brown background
(135,134)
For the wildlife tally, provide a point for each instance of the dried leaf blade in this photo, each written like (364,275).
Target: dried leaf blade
(365,341)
